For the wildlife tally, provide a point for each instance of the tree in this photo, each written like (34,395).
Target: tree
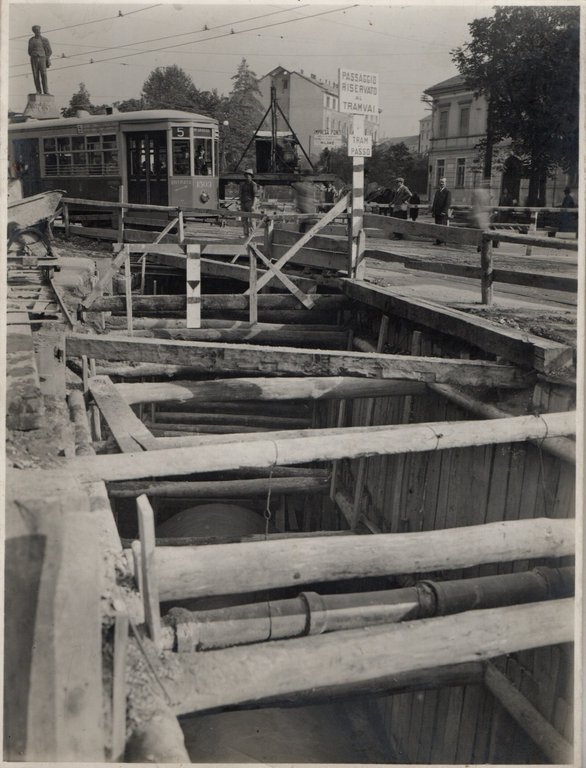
(525,60)
(79,100)
(130,105)
(244,112)
(169,88)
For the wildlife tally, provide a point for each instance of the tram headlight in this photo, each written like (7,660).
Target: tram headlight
(204,197)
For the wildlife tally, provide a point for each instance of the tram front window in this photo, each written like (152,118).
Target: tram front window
(202,149)
(181,158)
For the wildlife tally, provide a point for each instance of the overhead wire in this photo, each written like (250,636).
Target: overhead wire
(195,42)
(93,21)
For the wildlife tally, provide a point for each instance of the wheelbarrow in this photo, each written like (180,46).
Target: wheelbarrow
(29,225)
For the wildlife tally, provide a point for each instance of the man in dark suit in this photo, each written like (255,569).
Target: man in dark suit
(442,201)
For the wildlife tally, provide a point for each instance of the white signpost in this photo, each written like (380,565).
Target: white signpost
(358,96)
(193,286)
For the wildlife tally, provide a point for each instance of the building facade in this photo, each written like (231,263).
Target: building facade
(458,125)
(312,108)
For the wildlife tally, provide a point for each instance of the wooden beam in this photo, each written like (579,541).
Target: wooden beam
(220,489)
(517,346)
(127,429)
(562,447)
(539,730)
(119,687)
(299,295)
(212,268)
(418,230)
(552,243)
(210,357)
(294,336)
(217,302)
(338,208)
(189,572)
(117,262)
(351,442)
(261,389)
(149,571)
(235,676)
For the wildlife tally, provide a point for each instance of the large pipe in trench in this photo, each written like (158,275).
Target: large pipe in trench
(311,613)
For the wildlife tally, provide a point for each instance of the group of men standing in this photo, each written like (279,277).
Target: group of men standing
(405,204)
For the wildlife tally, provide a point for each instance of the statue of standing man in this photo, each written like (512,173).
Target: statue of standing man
(39,49)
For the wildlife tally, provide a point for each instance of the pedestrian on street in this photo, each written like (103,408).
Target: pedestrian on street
(414,202)
(567,220)
(440,207)
(400,203)
(248,195)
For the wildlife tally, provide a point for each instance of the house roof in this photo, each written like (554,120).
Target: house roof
(452,83)
(331,89)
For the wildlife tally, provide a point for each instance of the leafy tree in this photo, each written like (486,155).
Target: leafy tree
(169,88)
(244,112)
(525,60)
(130,105)
(79,100)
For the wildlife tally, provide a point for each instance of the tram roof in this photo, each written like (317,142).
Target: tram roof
(139,116)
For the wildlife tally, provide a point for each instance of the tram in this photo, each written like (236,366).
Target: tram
(157,157)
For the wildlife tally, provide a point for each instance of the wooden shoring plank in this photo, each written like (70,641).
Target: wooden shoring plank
(265,389)
(517,346)
(554,243)
(354,656)
(150,586)
(218,302)
(221,488)
(117,262)
(119,687)
(128,291)
(338,208)
(547,738)
(303,298)
(361,472)
(126,428)
(252,290)
(190,572)
(218,357)
(321,445)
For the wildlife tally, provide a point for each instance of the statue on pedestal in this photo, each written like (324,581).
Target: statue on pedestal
(39,50)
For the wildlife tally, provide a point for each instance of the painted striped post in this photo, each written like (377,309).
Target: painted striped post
(193,286)
(357,266)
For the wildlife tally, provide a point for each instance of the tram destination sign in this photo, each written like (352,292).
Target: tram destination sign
(358,92)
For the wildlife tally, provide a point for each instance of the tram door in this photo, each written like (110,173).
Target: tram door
(27,164)
(147,167)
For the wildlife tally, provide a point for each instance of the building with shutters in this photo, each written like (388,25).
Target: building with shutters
(458,125)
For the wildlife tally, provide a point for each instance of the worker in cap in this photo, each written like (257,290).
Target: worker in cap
(248,195)
(400,203)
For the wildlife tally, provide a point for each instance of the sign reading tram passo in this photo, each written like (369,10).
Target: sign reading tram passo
(358,92)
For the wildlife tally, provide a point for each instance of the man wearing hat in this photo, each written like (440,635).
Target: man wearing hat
(440,208)
(39,50)
(248,194)
(399,204)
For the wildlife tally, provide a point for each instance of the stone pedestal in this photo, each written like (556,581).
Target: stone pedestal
(42,106)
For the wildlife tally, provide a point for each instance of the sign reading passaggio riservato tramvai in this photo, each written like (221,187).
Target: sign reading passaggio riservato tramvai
(358,92)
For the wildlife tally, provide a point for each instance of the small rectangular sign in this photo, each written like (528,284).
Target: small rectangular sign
(358,92)
(359,146)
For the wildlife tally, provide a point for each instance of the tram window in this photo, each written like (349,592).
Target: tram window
(202,149)
(93,142)
(51,164)
(95,163)
(181,159)
(78,142)
(63,143)
(110,162)
(49,145)
(109,142)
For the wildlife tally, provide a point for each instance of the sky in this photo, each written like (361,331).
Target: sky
(407,45)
